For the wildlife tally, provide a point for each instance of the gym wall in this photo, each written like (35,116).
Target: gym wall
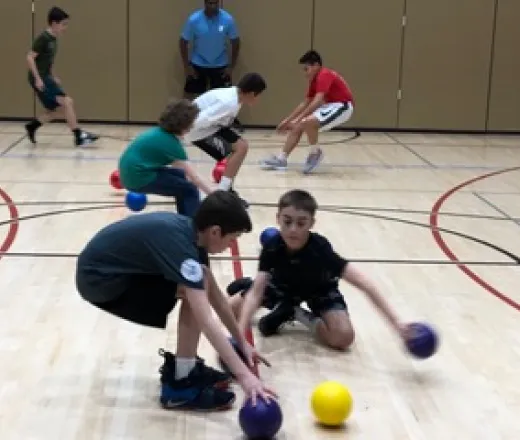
(445,66)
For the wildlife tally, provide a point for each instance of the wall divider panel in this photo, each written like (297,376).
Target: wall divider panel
(504,99)
(274,34)
(92,56)
(446,64)
(17,98)
(362,41)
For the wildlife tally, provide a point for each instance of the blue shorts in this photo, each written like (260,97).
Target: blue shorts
(172,182)
(49,94)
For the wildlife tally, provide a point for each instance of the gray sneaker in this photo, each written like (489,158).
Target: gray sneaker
(274,163)
(313,160)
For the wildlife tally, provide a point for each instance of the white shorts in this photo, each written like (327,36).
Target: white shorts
(333,114)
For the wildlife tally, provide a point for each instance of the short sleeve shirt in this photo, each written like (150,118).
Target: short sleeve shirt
(209,36)
(152,149)
(332,85)
(311,271)
(157,243)
(45,45)
(218,109)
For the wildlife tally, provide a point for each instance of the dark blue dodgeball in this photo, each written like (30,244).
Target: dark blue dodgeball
(424,341)
(262,421)
(268,234)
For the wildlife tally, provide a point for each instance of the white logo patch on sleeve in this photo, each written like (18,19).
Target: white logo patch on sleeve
(191,270)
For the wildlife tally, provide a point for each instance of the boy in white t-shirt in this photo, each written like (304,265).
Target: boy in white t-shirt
(212,131)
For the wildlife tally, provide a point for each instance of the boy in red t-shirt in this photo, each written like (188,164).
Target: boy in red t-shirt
(328,103)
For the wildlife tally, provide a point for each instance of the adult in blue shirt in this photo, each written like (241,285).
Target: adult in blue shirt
(208,66)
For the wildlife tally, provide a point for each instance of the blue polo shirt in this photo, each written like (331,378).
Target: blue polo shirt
(209,37)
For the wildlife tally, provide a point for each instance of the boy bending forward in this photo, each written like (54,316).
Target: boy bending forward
(139,267)
(301,266)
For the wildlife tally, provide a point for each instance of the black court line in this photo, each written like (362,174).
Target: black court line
(515,259)
(411,150)
(502,217)
(271,142)
(506,216)
(503,251)
(373,144)
(12,145)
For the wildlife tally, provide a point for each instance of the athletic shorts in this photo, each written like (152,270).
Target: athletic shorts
(318,304)
(49,94)
(207,78)
(218,145)
(333,114)
(142,299)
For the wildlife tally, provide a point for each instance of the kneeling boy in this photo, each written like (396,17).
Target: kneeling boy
(301,266)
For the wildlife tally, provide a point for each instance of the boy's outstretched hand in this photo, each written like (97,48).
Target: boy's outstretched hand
(253,357)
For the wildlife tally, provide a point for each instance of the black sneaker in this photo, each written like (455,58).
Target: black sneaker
(214,377)
(242,285)
(244,202)
(271,323)
(194,393)
(85,138)
(31,128)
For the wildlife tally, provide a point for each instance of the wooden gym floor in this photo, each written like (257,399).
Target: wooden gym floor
(71,372)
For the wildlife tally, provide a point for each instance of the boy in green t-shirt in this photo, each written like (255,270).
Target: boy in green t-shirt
(155,162)
(46,86)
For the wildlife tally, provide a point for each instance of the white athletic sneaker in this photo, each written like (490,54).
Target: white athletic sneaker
(274,163)
(313,160)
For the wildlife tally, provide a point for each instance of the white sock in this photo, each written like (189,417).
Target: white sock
(225,183)
(306,318)
(314,149)
(183,367)
(282,156)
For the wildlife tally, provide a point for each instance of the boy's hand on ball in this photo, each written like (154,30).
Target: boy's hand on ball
(406,331)
(254,388)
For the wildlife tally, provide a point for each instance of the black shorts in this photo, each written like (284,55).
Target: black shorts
(318,303)
(207,78)
(142,299)
(219,145)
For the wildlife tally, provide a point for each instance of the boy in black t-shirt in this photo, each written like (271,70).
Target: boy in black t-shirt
(301,266)
(47,86)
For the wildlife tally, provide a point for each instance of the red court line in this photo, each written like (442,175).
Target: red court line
(239,273)
(434,217)
(13,227)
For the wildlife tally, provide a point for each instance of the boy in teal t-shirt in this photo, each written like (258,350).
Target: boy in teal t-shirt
(155,162)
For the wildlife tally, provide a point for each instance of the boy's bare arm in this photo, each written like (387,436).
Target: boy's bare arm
(31,56)
(221,305)
(253,300)
(201,309)
(354,276)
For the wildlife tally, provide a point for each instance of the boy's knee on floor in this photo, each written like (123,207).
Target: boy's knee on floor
(342,339)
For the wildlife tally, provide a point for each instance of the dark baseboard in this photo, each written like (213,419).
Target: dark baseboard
(272,127)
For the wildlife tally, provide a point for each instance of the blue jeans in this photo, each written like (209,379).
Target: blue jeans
(172,182)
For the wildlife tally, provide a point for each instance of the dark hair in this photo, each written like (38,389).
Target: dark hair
(300,200)
(252,82)
(56,15)
(311,57)
(223,209)
(178,116)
